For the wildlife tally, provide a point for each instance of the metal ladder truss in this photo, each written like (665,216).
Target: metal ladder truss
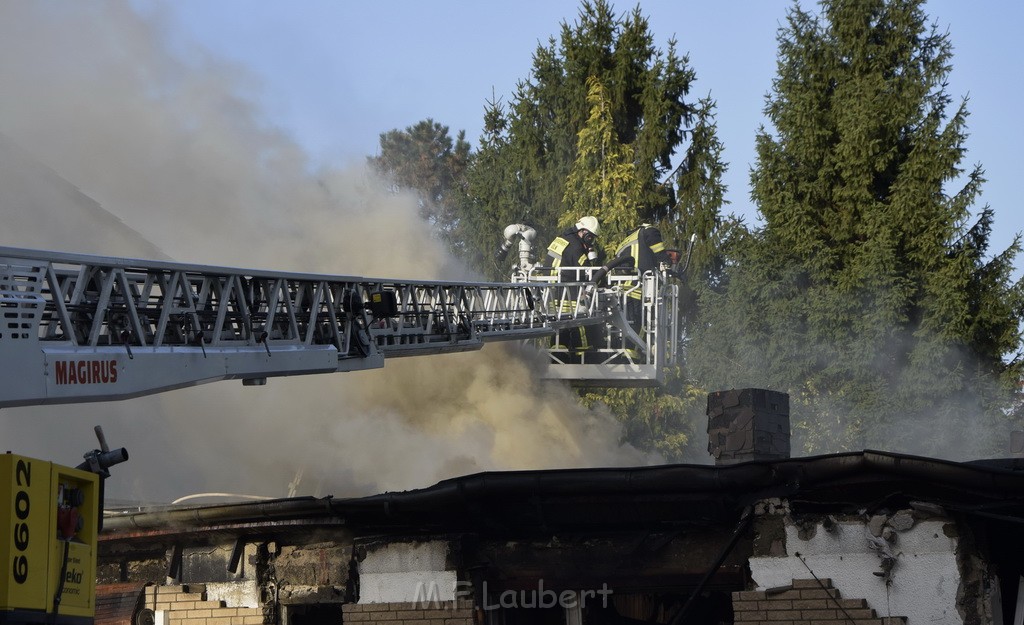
(77,322)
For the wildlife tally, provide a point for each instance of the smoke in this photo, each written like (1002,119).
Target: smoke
(172,145)
(885,388)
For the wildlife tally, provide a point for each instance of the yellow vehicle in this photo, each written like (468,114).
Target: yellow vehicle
(49,545)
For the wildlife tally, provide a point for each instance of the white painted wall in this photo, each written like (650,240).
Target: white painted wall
(924,581)
(406,572)
(243,594)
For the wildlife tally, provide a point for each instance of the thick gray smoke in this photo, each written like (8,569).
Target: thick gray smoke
(111,144)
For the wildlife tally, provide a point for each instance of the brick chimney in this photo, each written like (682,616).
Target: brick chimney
(748,424)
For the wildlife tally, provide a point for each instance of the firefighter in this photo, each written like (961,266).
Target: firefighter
(576,247)
(648,251)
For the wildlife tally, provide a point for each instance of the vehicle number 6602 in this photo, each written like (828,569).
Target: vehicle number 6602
(23,478)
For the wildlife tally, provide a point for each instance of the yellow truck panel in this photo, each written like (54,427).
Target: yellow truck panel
(51,510)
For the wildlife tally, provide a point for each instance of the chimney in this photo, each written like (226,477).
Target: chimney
(748,424)
(1017,444)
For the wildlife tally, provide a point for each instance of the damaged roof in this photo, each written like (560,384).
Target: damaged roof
(652,498)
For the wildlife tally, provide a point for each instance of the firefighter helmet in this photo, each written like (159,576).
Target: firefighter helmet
(590,224)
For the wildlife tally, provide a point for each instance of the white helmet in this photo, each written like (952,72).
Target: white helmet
(589,223)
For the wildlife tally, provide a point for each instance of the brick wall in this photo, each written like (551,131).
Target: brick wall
(805,601)
(187,605)
(433,613)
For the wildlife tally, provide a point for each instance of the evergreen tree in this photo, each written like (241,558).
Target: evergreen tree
(534,142)
(593,131)
(424,159)
(492,199)
(868,295)
(697,217)
(603,181)
(615,174)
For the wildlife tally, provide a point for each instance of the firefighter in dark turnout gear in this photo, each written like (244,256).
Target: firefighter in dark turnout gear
(648,251)
(575,247)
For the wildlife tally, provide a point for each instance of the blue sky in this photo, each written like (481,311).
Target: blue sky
(335,73)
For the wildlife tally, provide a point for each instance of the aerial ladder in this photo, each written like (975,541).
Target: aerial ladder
(79,328)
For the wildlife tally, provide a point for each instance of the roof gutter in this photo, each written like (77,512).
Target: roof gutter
(204,516)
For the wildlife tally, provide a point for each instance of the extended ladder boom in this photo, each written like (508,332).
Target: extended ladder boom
(88,328)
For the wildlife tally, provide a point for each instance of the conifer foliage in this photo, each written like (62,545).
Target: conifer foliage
(592,130)
(424,160)
(867,291)
(869,294)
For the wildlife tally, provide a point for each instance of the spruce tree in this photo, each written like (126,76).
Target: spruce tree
(868,294)
(535,139)
(491,197)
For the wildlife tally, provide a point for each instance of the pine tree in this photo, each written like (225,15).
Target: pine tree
(424,159)
(867,295)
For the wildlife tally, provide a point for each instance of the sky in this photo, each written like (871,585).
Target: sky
(336,74)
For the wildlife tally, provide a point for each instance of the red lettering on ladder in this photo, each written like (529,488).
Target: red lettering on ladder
(84,372)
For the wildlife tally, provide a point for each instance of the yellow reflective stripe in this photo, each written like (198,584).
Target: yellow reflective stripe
(555,250)
(634,251)
(630,241)
(658,247)
(557,246)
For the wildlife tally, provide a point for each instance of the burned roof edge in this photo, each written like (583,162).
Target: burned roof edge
(630,495)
